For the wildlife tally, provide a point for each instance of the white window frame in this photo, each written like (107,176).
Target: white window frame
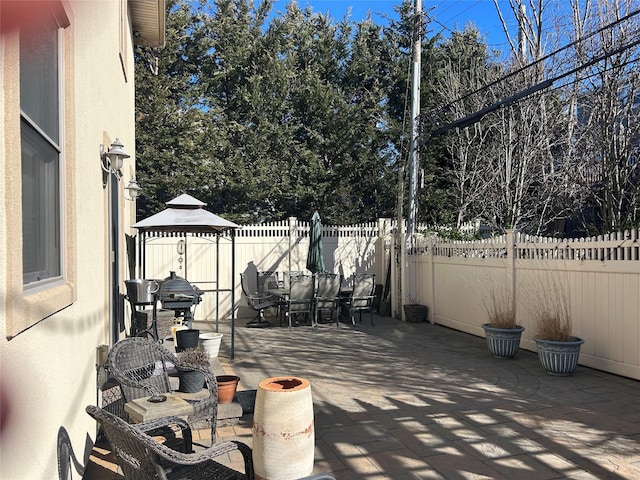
(33,282)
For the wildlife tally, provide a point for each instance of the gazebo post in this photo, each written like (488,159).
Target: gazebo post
(217,282)
(233,291)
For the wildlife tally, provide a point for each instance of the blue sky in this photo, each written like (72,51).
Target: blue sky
(449,14)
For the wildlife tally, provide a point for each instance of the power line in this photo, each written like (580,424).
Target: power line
(476,116)
(546,57)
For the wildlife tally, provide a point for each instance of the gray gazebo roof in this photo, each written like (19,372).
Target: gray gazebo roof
(185,214)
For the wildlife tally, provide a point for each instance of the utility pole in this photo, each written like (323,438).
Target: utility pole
(414,159)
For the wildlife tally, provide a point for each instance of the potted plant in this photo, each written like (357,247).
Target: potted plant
(502,333)
(191,362)
(558,348)
(415,312)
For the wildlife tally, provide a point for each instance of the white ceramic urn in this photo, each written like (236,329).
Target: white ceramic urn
(283,429)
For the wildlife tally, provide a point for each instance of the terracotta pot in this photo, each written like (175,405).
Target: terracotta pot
(227,385)
(283,430)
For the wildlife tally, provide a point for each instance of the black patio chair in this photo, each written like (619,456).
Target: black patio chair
(266,280)
(361,300)
(327,296)
(300,298)
(258,302)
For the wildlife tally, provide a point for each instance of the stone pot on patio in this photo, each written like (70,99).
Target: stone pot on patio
(559,358)
(503,342)
(283,429)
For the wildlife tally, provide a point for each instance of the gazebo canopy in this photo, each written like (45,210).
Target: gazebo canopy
(185,214)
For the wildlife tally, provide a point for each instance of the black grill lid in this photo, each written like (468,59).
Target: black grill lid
(176,292)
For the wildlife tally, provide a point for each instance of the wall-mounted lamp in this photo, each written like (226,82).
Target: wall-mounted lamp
(133,188)
(112,160)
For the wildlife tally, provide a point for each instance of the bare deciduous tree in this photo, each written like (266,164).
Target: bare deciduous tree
(607,132)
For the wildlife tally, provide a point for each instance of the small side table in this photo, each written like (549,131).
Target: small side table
(142,409)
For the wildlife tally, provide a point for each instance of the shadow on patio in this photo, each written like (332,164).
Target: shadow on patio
(413,401)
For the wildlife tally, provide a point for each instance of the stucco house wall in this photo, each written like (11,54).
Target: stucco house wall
(49,337)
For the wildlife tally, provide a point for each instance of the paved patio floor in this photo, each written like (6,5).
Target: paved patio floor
(419,401)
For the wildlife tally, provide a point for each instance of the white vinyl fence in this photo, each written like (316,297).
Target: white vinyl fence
(278,246)
(599,277)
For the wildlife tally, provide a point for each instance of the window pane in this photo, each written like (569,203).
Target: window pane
(40,207)
(39,76)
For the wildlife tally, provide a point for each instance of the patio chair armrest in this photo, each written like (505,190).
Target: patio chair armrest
(326,299)
(210,453)
(262,298)
(366,297)
(149,425)
(160,426)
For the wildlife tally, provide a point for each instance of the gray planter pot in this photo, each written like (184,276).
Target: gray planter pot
(191,381)
(559,358)
(503,342)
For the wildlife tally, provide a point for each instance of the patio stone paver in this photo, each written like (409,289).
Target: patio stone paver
(410,401)
(419,401)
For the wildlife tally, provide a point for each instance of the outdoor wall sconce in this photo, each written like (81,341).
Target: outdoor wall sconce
(112,160)
(133,188)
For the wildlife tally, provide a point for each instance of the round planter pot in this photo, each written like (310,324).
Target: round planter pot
(227,385)
(191,381)
(503,342)
(283,430)
(210,343)
(559,358)
(187,338)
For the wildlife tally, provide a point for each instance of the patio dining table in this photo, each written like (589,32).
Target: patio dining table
(283,295)
(278,292)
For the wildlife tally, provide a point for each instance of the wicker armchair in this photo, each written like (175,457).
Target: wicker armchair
(142,457)
(140,366)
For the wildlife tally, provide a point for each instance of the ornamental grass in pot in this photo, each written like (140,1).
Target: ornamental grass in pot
(558,348)
(502,333)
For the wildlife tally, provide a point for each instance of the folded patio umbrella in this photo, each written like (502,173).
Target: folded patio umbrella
(315,257)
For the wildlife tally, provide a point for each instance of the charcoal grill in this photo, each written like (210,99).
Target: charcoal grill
(179,295)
